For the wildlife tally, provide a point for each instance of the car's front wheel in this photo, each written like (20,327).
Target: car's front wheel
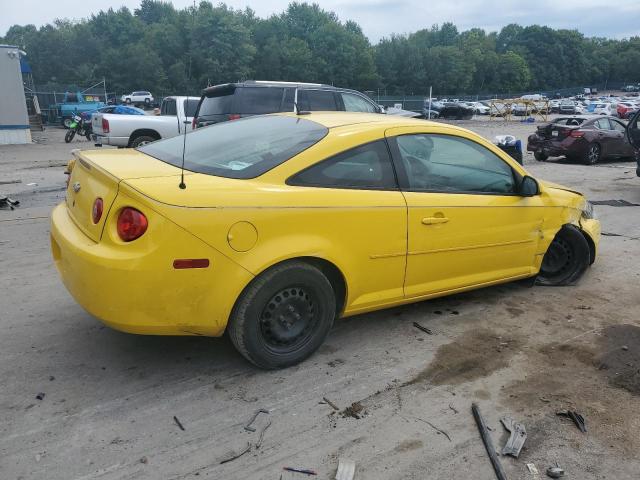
(283,316)
(540,155)
(566,259)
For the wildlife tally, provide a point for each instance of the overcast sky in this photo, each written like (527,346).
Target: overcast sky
(380,18)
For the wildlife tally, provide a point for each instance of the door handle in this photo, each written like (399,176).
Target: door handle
(434,220)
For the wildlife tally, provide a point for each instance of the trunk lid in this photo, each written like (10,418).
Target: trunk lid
(97,174)
(555,131)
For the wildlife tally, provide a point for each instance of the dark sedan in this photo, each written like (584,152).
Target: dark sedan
(586,138)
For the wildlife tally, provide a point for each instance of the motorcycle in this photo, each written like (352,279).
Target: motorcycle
(80,126)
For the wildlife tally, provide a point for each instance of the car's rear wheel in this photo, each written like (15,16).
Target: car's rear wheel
(566,259)
(283,316)
(142,140)
(593,154)
(540,155)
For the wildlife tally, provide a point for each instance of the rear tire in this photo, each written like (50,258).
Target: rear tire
(540,156)
(283,316)
(593,154)
(566,259)
(142,140)
(69,136)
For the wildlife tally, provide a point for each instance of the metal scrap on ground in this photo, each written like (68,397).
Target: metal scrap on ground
(488,444)
(248,426)
(346,469)
(576,417)
(234,456)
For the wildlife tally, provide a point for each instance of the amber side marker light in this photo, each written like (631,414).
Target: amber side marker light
(190,263)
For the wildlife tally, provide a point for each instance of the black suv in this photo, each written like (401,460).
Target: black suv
(231,101)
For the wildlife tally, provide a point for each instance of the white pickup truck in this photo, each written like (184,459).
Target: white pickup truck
(176,114)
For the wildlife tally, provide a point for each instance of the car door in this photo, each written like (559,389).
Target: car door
(354,200)
(605,136)
(621,142)
(466,224)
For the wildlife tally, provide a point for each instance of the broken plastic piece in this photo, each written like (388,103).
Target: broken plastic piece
(555,472)
(517,438)
(576,417)
(346,469)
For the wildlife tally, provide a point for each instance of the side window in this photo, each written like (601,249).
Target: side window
(289,98)
(190,105)
(603,124)
(317,100)
(355,103)
(617,126)
(169,107)
(258,100)
(367,167)
(444,163)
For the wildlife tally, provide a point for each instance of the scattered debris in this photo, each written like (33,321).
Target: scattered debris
(608,234)
(438,312)
(615,203)
(52,378)
(346,469)
(424,329)
(7,182)
(300,470)
(451,407)
(354,410)
(32,184)
(144,460)
(7,203)
(545,400)
(516,439)
(555,472)
(248,426)
(576,417)
(583,307)
(488,444)
(180,426)
(40,396)
(532,468)
(439,430)
(236,455)
(330,403)
(262,435)
(625,348)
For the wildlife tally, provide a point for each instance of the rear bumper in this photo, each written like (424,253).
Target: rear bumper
(113,141)
(135,289)
(568,147)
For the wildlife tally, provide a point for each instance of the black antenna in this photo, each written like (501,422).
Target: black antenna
(183,185)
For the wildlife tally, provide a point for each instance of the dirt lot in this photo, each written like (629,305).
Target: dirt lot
(110,398)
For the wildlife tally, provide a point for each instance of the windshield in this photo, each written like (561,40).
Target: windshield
(243,148)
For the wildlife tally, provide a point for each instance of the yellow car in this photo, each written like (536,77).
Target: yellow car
(278,224)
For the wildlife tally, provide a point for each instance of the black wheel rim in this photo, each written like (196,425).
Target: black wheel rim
(558,259)
(289,319)
(594,153)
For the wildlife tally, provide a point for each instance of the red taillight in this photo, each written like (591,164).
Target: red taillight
(105,125)
(97,210)
(131,224)
(577,133)
(234,116)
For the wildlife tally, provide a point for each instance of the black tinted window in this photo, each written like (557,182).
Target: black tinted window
(190,107)
(444,163)
(317,100)
(367,166)
(289,97)
(245,148)
(258,100)
(169,107)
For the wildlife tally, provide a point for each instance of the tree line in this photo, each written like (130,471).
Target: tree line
(167,50)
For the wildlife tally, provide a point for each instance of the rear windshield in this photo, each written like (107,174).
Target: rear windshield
(243,148)
(217,102)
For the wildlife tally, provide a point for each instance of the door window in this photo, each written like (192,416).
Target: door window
(444,163)
(317,101)
(603,124)
(617,126)
(365,167)
(355,103)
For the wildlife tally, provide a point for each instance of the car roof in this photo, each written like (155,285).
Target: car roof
(268,83)
(341,119)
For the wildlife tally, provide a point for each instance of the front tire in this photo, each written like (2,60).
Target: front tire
(69,136)
(593,154)
(283,316)
(540,156)
(566,259)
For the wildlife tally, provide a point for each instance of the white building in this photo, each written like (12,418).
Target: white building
(14,120)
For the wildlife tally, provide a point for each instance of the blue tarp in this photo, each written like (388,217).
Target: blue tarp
(24,65)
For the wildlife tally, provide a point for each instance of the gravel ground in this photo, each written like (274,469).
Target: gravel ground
(109,398)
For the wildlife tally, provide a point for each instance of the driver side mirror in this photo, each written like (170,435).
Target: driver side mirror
(633,131)
(529,187)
